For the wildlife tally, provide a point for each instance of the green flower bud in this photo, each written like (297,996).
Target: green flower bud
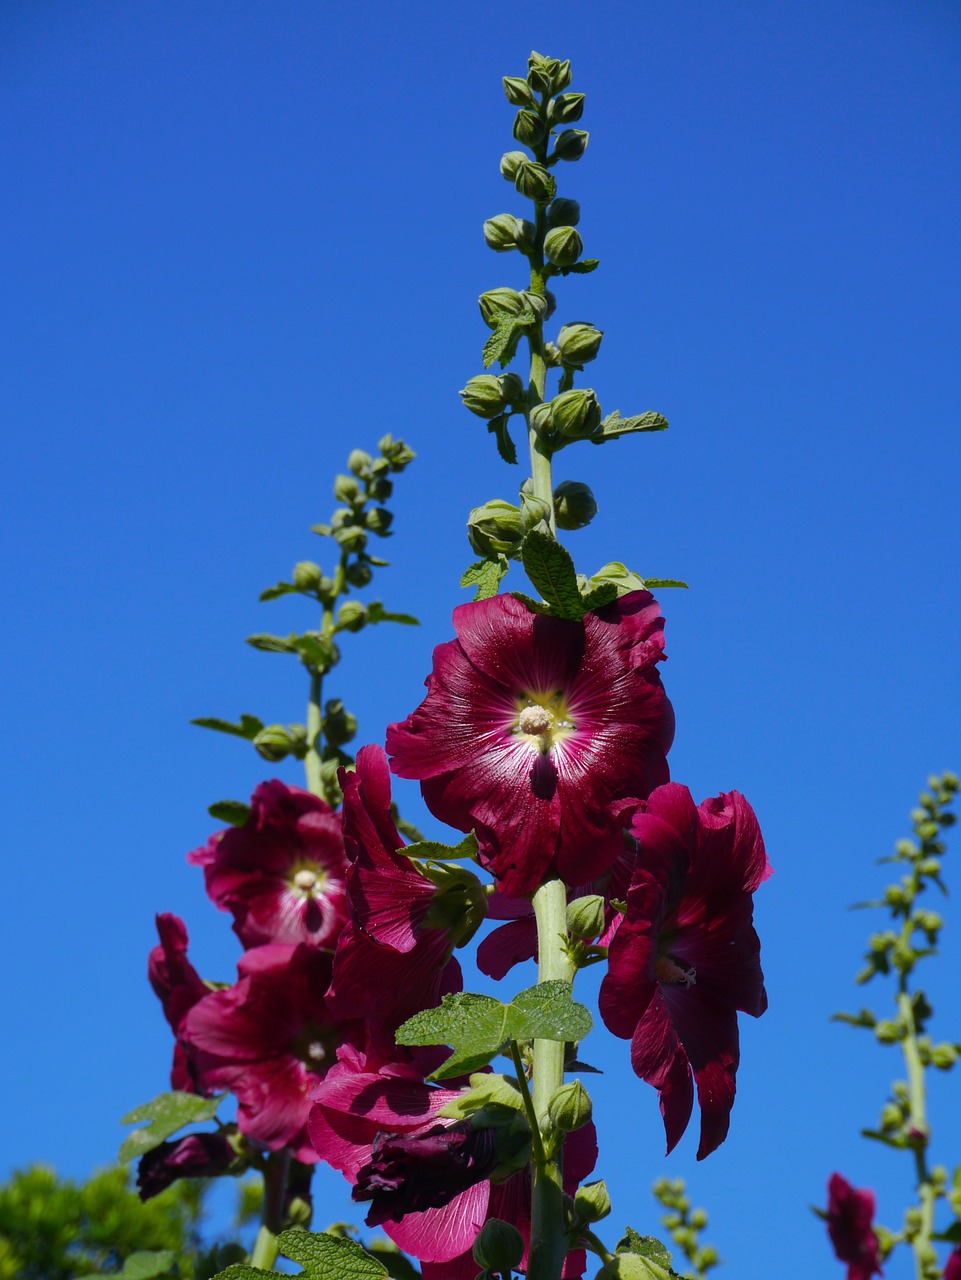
(563,213)
(533,181)
(538,303)
(500,1246)
(379,488)
(307,576)
(629,1266)
(500,233)
(534,511)
(944,1056)
(560,75)
(396,453)
(497,303)
(578,342)
(576,413)
(539,77)
(378,521)
(339,725)
(299,1213)
(518,92)
(511,161)
(574,505)
(358,574)
(529,129)
(571,144)
(563,246)
(351,616)
(570,1107)
(585,916)
(566,109)
(892,1117)
(273,743)
(358,462)
(512,388)
(887,1032)
(484,395)
(496,528)
(351,537)
(346,489)
(592,1202)
(698,1219)
(542,416)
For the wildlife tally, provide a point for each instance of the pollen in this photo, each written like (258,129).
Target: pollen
(305,879)
(671,972)
(536,720)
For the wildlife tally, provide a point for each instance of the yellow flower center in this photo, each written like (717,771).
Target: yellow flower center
(308,880)
(543,719)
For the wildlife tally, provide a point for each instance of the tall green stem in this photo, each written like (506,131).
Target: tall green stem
(315,719)
(548,1238)
(265,1250)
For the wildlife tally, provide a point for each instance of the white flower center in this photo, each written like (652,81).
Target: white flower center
(543,719)
(536,720)
(316,1051)
(305,879)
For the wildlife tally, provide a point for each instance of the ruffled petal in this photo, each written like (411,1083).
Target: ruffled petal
(658,1057)
(507,946)
(437,1235)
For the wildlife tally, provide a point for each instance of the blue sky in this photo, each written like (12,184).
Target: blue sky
(240,239)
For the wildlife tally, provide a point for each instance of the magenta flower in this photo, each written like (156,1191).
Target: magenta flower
(850,1217)
(179,986)
(685,957)
(198,1155)
(270,1039)
(281,874)
(532,726)
(952,1268)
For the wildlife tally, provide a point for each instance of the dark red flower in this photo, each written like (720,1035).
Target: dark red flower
(532,726)
(850,1217)
(198,1155)
(179,987)
(685,957)
(952,1268)
(269,1039)
(281,874)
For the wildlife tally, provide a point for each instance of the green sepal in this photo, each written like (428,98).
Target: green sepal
(316,651)
(502,344)
(477,1028)
(143,1265)
(377,613)
(551,570)
(505,445)
(248,726)
(486,1088)
(486,575)
(272,644)
(167,1113)
(615,426)
(275,592)
(433,849)
(580,268)
(639,1258)
(234,812)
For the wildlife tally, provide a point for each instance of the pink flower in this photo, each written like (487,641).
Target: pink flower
(282,873)
(179,987)
(685,957)
(849,1217)
(952,1268)
(198,1155)
(270,1039)
(532,726)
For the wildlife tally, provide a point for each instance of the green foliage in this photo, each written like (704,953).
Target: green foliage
(551,570)
(144,1266)
(485,575)
(614,426)
(502,344)
(234,812)
(477,1028)
(248,726)
(323,1257)
(467,848)
(167,1114)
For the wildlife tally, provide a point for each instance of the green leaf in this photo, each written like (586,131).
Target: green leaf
(234,812)
(604,593)
(581,268)
(658,583)
(505,444)
(167,1113)
(377,613)
(281,589)
(327,1257)
(535,606)
(863,1019)
(244,1271)
(653,1258)
(248,727)
(477,1028)
(551,570)
(502,344)
(467,848)
(614,425)
(485,575)
(142,1265)
(322,530)
(272,644)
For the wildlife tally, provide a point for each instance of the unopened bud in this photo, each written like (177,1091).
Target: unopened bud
(273,743)
(518,92)
(379,488)
(346,489)
(505,232)
(495,304)
(534,510)
(339,725)
(351,537)
(533,181)
(570,1107)
(484,395)
(395,452)
(887,1032)
(585,916)
(578,343)
(574,505)
(307,576)
(351,616)
(358,574)
(571,144)
(592,1202)
(378,520)
(500,1246)
(512,388)
(563,246)
(358,462)
(944,1056)
(528,129)
(563,213)
(496,528)
(576,413)
(630,1266)
(567,108)
(511,161)
(560,75)
(542,304)
(542,416)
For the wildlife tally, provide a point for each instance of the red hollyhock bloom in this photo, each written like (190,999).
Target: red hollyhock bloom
(282,873)
(849,1217)
(952,1268)
(269,1039)
(179,987)
(198,1155)
(685,957)
(532,726)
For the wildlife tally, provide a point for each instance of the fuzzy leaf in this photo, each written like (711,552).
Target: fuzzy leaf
(502,343)
(604,593)
(547,1012)
(485,575)
(467,848)
(535,606)
(275,592)
(614,425)
(377,613)
(656,584)
(248,727)
(167,1113)
(234,812)
(244,1271)
(326,1257)
(581,268)
(551,570)
(505,444)
(142,1265)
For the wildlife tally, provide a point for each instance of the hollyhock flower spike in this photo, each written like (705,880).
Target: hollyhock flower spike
(532,726)
(281,874)
(850,1216)
(685,958)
